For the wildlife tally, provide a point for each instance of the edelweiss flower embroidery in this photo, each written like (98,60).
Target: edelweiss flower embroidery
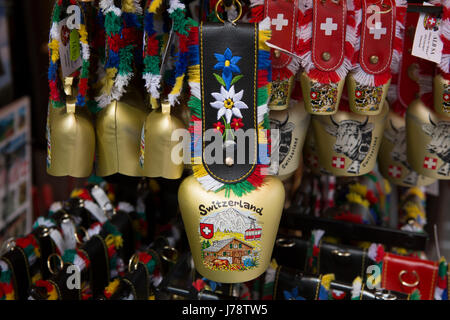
(228,103)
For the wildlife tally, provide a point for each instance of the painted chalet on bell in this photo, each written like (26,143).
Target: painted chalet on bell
(228,249)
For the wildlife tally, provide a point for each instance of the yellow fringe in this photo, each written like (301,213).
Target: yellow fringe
(154,6)
(194,73)
(178,85)
(112,286)
(117,241)
(358,188)
(10,296)
(53,295)
(54,46)
(356,198)
(196,160)
(417,192)
(76,193)
(199,171)
(387,186)
(326,280)
(128,6)
(264,35)
(83,34)
(107,82)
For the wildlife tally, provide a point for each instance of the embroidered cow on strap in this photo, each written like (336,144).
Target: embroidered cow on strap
(440,143)
(353,139)
(398,153)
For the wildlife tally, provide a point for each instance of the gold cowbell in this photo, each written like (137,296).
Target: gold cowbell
(231,238)
(157,157)
(70,138)
(119,127)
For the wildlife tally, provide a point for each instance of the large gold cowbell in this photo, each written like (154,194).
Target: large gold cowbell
(156,157)
(70,142)
(231,238)
(292,125)
(428,138)
(119,127)
(347,143)
(392,158)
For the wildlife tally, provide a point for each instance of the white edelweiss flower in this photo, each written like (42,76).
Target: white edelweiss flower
(228,103)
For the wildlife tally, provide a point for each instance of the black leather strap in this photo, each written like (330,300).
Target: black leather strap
(18,262)
(123,223)
(97,253)
(139,279)
(46,247)
(242,40)
(61,280)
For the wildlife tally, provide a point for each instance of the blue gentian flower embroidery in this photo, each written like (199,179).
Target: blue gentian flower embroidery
(292,295)
(228,64)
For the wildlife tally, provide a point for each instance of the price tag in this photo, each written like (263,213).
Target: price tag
(68,65)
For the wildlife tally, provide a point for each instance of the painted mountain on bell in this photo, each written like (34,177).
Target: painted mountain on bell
(230,220)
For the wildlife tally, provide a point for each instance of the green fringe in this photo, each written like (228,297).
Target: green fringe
(69,256)
(442,269)
(56,14)
(110,228)
(262,96)
(113,23)
(85,69)
(5,276)
(152,64)
(195,105)
(93,106)
(151,265)
(126,60)
(29,250)
(93,179)
(266,123)
(415,295)
(58,104)
(239,189)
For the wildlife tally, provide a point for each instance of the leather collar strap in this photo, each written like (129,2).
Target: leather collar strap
(377,37)
(329,23)
(220,46)
(123,223)
(46,248)
(139,282)
(97,253)
(18,263)
(61,280)
(283,17)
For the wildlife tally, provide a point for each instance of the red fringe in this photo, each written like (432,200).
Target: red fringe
(130,36)
(324,77)
(193,37)
(262,78)
(257,13)
(283,73)
(152,46)
(54,92)
(256,179)
(383,78)
(83,86)
(183,40)
(114,43)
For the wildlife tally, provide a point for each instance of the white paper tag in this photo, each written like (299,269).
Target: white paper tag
(68,66)
(101,198)
(96,211)
(427,42)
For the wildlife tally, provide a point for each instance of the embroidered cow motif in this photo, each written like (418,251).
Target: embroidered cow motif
(398,138)
(440,143)
(353,139)
(323,96)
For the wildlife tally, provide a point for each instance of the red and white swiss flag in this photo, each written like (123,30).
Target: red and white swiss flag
(207,230)
(430,163)
(313,161)
(338,162)
(395,171)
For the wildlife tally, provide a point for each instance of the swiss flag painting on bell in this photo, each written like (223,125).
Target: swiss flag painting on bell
(430,163)
(338,162)
(207,230)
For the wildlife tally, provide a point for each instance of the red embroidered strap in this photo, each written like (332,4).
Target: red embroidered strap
(329,22)
(283,21)
(377,36)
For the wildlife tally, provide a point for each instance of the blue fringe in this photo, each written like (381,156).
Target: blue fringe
(181,64)
(131,20)
(113,60)
(52,71)
(148,24)
(81,101)
(194,55)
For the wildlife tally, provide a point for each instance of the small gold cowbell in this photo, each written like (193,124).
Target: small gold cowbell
(231,238)
(70,138)
(292,125)
(441,91)
(392,157)
(347,143)
(157,145)
(119,127)
(366,100)
(428,138)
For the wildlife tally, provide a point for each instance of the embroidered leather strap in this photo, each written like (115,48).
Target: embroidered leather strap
(283,18)
(228,69)
(377,37)
(97,253)
(329,22)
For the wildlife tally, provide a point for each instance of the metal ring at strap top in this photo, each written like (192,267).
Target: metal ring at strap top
(173,254)
(407,284)
(285,243)
(133,263)
(49,262)
(239,5)
(341,253)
